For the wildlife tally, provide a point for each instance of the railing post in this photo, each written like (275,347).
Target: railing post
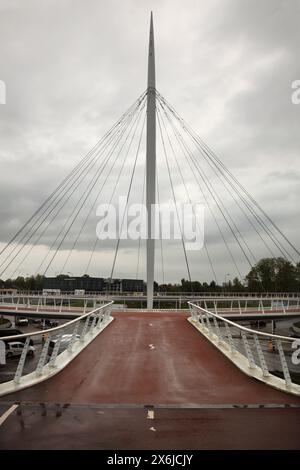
(100,319)
(200,319)
(209,327)
(108,312)
(22,360)
(230,339)
(283,307)
(261,357)
(84,330)
(284,365)
(43,356)
(192,311)
(217,329)
(73,339)
(248,351)
(93,323)
(55,351)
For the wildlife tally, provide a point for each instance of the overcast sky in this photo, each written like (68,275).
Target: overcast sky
(71,68)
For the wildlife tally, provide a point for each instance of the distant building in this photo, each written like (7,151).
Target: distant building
(93,284)
(124,285)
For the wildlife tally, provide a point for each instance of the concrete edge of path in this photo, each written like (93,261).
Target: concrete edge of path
(62,361)
(241,362)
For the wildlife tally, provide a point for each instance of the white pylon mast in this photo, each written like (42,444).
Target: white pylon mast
(151,166)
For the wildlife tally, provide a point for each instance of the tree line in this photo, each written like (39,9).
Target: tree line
(268,275)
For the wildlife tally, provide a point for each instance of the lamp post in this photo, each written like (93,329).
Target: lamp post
(225,277)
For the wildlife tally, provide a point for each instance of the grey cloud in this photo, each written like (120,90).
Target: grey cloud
(72,67)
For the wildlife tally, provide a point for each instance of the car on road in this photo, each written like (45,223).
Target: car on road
(7,332)
(21,321)
(50,323)
(15,348)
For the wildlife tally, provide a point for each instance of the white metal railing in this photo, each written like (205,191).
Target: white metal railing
(242,305)
(270,358)
(70,304)
(221,293)
(50,345)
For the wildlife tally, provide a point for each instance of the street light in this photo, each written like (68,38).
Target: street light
(228,274)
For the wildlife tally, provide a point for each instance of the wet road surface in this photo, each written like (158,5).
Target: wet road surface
(151,359)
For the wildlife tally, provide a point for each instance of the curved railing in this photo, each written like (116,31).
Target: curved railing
(46,352)
(271,358)
(72,305)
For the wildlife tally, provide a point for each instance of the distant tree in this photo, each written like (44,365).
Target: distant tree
(285,275)
(20,282)
(185,285)
(273,274)
(237,285)
(39,281)
(297,277)
(196,286)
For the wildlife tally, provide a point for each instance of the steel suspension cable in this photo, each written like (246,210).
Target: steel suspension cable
(78,179)
(110,201)
(187,193)
(78,183)
(78,211)
(266,229)
(186,155)
(220,206)
(81,162)
(217,162)
(127,199)
(96,198)
(174,198)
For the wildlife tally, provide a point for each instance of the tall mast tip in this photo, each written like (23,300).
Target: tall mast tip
(151,59)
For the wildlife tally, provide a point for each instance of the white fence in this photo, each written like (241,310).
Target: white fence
(270,358)
(45,353)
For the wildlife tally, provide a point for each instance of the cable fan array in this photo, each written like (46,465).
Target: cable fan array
(60,236)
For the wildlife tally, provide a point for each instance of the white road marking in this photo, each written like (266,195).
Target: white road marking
(7,414)
(152,429)
(150,414)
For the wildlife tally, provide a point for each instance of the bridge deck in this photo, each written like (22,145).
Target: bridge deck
(144,360)
(74,312)
(152,358)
